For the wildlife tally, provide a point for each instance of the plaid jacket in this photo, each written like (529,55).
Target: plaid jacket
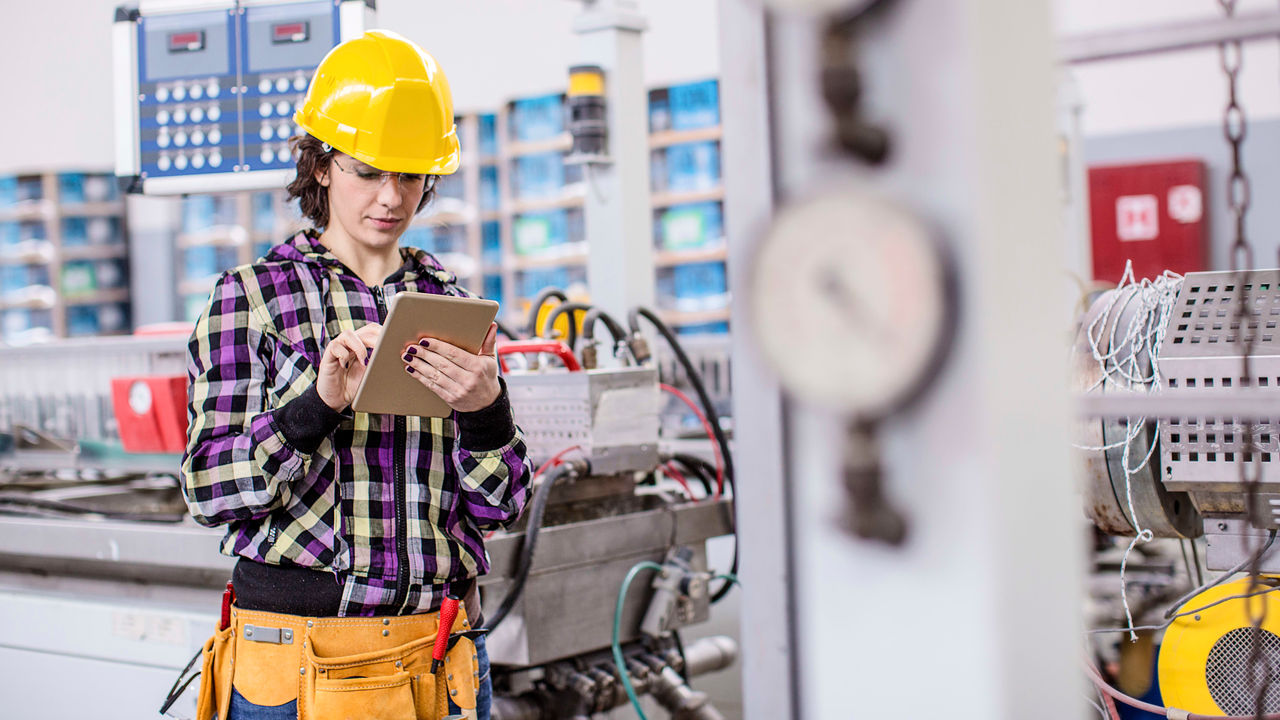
(394,506)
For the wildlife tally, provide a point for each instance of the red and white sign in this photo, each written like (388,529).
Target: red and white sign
(1151,214)
(1137,217)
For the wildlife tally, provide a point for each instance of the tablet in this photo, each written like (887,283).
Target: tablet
(386,388)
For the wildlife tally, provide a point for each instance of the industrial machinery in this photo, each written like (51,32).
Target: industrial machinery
(205,91)
(91,531)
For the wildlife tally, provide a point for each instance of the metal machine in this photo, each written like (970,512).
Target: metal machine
(91,531)
(205,91)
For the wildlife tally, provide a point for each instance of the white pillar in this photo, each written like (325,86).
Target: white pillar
(618,215)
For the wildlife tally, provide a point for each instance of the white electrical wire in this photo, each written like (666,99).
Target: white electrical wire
(1123,366)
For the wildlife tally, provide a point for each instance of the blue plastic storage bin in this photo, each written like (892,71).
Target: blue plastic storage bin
(490,197)
(488,134)
(695,105)
(699,286)
(533,233)
(493,288)
(693,166)
(83,320)
(538,175)
(538,118)
(491,243)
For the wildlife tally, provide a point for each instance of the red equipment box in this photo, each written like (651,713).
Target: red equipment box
(151,413)
(1153,214)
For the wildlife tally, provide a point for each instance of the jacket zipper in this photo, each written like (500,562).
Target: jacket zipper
(401,507)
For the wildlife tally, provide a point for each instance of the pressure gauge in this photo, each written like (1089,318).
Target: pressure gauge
(853,300)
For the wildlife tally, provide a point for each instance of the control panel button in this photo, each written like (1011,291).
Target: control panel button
(264,86)
(215,136)
(179,93)
(162,94)
(215,159)
(283,154)
(215,114)
(265,109)
(197,137)
(180,139)
(299,83)
(284,131)
(213,89)
(197,115)
(162,139)
(283,108)
(179,116)
(266,155)
(163,163)
(180,162)
(162,117)
(197,161)
(265,132)
(197,92)
(282,85)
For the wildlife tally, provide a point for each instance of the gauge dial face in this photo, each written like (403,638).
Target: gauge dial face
(851,301)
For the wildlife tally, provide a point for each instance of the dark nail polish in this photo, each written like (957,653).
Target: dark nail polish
(408,369)
(408,357)
(412,350)
(424,343)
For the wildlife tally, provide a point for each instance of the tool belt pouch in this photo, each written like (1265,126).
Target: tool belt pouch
(215,675)
(380,669)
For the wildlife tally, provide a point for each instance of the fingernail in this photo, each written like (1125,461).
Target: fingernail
(424,343)
(408,369)
(408,357)
(412,350)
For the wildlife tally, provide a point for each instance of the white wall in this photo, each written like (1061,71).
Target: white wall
(58,58)
(1170,90)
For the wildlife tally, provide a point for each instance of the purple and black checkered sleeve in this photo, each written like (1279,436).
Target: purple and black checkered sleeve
(242,455)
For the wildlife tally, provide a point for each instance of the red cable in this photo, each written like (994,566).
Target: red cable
(706,426)
(678,477)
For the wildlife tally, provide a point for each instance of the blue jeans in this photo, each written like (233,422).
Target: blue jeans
(242,709)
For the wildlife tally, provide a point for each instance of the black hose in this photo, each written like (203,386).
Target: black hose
(506,330)
(531,327)
(695,379)
(537,507)
(698,469)
(556,312)
(618,332)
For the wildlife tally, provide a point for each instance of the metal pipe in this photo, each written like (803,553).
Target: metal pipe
(1254,404)
(1168,37)
(710,654)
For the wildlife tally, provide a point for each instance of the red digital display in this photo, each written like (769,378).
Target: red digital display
(290,32)
(186,41)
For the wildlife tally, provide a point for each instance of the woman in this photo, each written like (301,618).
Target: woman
(332,513)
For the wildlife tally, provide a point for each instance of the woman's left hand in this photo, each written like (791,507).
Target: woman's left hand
(466,381)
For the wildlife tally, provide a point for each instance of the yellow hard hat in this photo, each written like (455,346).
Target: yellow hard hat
(383,100)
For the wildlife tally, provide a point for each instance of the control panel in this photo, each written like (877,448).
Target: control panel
(206,94)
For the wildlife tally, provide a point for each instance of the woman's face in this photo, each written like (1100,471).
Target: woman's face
(369,207)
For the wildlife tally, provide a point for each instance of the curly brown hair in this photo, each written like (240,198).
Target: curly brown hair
(313,198)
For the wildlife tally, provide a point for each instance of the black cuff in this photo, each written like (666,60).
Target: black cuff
(490,428)
(306,420)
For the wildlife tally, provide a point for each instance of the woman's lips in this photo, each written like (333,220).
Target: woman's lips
(384,223)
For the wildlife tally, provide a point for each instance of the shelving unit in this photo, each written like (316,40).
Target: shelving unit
(509,222)
(64,256)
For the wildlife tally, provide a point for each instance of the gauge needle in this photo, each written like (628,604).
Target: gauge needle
(838,291)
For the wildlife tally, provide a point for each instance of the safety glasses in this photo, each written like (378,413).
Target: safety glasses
(371,179)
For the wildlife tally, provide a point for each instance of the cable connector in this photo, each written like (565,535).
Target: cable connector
(639,348)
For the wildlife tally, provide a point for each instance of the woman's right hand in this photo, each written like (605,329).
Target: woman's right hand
(343,365)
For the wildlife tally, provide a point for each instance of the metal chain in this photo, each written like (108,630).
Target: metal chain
(1247,320)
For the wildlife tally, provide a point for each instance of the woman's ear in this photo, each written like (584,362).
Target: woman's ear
(322,177)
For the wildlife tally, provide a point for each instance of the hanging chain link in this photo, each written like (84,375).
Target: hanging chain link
(1247,320)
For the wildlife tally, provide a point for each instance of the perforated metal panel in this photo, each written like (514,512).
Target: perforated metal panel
(1228,673)
(1200,353)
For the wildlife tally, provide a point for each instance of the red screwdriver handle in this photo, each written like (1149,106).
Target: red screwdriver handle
(448,613)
